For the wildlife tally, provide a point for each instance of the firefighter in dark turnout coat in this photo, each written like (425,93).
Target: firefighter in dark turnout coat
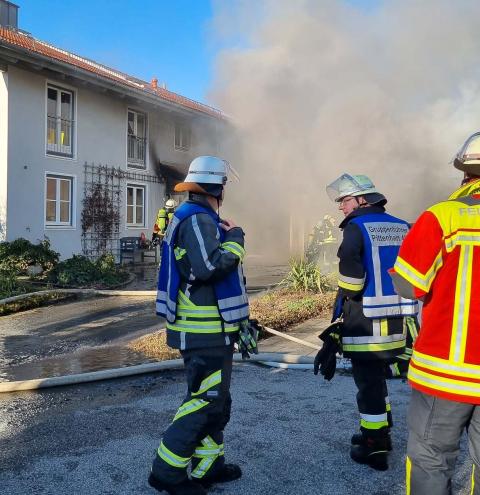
(201,293)
(373,314)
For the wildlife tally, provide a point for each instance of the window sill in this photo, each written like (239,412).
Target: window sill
(138,166)
(182,149)
(135,227)
(59,155)
(59,227)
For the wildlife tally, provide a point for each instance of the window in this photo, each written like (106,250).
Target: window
(60,121)
(58,200)
(135,206)
(136,139)
(182,137)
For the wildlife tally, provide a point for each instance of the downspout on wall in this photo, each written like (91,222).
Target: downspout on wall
(3,151)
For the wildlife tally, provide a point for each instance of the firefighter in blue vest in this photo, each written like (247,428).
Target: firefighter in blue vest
(373,329)
(201,293)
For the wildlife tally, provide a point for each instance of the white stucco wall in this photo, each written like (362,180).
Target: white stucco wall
(100,138)
(3,153)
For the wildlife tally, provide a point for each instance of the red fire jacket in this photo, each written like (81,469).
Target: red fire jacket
(439,262)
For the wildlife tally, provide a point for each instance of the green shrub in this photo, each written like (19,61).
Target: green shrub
(79,271)
(306,277)
(8,283)
(19,254)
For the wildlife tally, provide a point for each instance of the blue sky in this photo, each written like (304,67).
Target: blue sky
(168,39)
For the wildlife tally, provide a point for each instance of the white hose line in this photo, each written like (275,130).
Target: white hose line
(90,292)
(293,339)
(288,360)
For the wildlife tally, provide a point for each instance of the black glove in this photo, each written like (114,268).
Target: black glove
(326,358)
(247,337)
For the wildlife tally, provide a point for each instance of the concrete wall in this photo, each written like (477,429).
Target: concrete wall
(3,153)
(100,138)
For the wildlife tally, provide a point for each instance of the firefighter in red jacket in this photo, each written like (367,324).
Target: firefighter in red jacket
(439,263)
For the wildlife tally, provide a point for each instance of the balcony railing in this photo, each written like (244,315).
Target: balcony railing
(136,150)
(59,136)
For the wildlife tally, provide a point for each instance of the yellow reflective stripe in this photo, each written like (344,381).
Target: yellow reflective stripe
(190,407)
(408,475)
(184,300)
(209,451)
(234,248)
(179,253)
(446,366)
(412,275)
(373,347)
(384,327)
(172,459)
(197,312)
(369,425)
(472,489)
(202,467)
(412,327)
(346,285)
(201,327)
(462,238)
(473,480)
(461,311)
(209,382)
(449,385)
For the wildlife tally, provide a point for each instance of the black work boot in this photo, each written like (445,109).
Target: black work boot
(186,487)
(226,473)
(359,439)
(373,451)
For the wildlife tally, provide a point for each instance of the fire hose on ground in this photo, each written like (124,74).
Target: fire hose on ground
(272,359)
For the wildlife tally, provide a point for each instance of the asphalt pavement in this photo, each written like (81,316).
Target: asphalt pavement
(289,431)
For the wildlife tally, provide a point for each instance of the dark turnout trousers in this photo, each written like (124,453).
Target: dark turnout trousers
(372,396)
(196,432)
(435,427)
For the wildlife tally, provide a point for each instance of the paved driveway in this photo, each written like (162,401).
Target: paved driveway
(289,431)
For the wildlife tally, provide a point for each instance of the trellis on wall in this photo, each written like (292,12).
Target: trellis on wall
(102,205)
(102,197)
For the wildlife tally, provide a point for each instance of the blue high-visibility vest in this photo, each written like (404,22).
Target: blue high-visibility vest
(231,294)
(382,235)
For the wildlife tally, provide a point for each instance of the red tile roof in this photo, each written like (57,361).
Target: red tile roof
(12,39)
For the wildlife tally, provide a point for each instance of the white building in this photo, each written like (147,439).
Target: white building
(80,142)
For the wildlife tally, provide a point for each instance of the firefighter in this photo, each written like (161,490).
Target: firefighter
(164,217)
(201,293)
(373,330)
(322,243)
(439,263)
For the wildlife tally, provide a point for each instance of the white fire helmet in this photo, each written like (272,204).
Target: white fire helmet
(170,204)
(209,170)
(350,185)
(468,157)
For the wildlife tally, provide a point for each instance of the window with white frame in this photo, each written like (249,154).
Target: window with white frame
(58,200)
(60,121)
(136,139)
(182,137)
(135,205)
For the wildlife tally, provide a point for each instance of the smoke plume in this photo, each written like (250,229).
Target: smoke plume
(318,88)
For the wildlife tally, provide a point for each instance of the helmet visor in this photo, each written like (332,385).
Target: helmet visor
(469,151)
(231,173)
(350,185)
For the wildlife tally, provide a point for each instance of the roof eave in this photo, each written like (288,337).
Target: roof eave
(12,54)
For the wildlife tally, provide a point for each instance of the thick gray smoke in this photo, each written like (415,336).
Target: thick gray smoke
(317,88)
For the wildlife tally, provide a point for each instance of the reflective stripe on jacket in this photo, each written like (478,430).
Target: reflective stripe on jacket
(440,262)
(227,281)
(382,236)
(366,337)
